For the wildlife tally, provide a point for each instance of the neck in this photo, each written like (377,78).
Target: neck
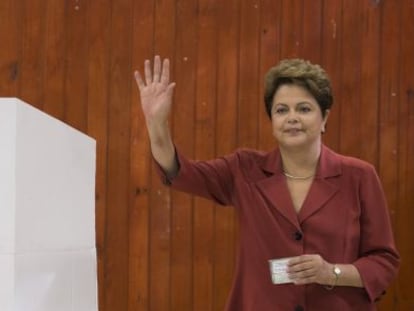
(300,163)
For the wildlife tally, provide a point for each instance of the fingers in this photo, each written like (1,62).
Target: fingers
(303,275)
(170,88)
(158,74)
(165,77)
(147,70)
(305,269)
(302,259)
(157,69)
(139,80)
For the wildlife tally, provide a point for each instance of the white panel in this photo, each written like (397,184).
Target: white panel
(6,282)
(55,178)
(43,282)
(47,213)
(7,173)
(85,296)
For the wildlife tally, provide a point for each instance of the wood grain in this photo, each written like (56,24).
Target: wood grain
(163,250)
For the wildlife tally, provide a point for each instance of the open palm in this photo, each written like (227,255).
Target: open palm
(156,91)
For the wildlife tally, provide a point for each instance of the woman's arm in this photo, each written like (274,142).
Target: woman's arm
(210,179)
(308,269)
(156,94)
(378,260)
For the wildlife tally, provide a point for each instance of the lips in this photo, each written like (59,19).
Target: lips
(293,130)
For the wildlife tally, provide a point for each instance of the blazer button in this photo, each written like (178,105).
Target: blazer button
(298,235)
(299,308)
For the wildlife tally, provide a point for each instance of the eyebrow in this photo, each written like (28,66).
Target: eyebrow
(299,103)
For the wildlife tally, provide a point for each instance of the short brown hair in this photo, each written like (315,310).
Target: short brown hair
(299,72)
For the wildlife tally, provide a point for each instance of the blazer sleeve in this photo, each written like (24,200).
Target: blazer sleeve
(211,179)
(379,260)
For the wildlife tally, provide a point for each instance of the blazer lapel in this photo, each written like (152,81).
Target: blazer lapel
(324,186)
(319,193)
(274,187)
(275,190)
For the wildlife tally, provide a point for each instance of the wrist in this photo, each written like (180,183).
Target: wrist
(335,272)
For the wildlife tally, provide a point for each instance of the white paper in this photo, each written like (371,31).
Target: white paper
(278,270)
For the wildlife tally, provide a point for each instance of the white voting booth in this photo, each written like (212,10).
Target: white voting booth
(47,213)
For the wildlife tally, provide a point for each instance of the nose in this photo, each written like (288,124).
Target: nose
(292,117)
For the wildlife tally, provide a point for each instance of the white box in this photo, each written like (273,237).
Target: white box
(47,213)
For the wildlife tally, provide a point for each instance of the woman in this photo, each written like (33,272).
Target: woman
(323,213)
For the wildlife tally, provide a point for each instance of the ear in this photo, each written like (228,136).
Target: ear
(325,119)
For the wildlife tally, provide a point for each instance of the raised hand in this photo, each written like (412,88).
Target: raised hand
(156,99)
(156,91)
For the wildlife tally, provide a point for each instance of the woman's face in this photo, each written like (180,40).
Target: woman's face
(296,117)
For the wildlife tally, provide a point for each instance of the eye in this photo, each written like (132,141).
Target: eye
(280,110)
(304,109)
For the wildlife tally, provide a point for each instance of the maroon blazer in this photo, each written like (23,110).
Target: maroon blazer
(344,218)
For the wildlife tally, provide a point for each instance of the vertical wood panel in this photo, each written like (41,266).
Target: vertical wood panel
(370,73)
(270,41)
(405,213)
(118,157)
(10,37)
(331,54)
(160,199)
(205,134)
(76,82)
(54,65)
(32,52)
(226,126)
(98,38)
(350,106)
(312,30)
(183,131)
(139,276)
(388,115)
(249,80)
(291,29)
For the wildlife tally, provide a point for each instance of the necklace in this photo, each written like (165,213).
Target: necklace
(297,177)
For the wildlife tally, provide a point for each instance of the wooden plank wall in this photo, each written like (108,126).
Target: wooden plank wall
(163,250)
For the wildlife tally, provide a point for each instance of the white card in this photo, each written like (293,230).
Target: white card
(278,270)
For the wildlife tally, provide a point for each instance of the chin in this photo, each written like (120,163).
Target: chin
(295,144)
(294,147)
(298,145)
